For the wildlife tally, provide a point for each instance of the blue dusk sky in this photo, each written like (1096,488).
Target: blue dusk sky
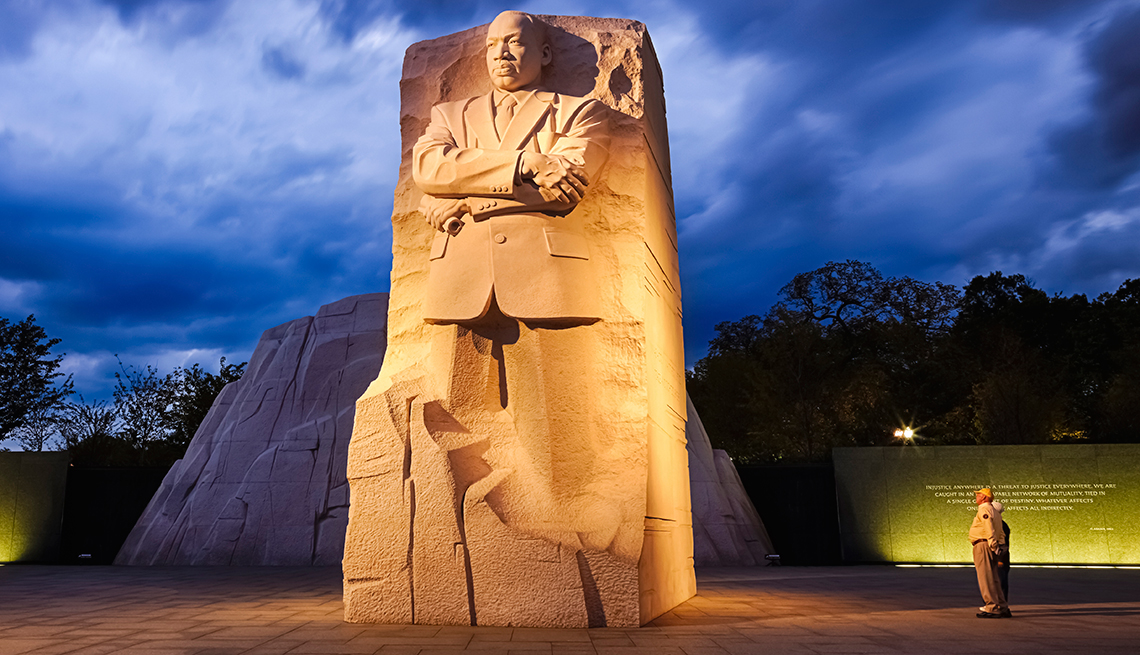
(177,176)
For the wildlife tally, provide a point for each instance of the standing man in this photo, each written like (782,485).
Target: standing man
(988,540)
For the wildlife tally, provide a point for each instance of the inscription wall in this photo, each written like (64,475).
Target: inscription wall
(1065,504)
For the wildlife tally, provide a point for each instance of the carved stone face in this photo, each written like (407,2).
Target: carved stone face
(515,52)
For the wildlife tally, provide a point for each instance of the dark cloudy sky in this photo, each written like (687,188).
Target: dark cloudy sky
(177,176)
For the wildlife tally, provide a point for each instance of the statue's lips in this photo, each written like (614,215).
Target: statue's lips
(505,71)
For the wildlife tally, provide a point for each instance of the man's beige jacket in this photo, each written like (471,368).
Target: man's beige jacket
(987,527)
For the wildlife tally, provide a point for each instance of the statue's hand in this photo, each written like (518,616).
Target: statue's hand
(558,178)
(439,211)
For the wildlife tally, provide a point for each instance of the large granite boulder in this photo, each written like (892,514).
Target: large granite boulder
(727,530)
(264,481)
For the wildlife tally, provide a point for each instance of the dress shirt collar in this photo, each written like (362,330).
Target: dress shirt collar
(498,96)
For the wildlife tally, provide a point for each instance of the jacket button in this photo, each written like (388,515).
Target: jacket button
(500,238)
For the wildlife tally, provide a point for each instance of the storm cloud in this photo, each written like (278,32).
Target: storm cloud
(177,176)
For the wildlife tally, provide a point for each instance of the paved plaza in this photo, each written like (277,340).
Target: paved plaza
(855,609)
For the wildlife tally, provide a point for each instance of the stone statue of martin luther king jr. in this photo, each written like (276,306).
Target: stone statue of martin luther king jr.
(510,267)
(500,172)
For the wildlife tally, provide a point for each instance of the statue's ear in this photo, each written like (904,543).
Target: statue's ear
(547,54)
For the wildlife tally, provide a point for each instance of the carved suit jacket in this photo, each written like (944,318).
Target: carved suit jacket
(526,252)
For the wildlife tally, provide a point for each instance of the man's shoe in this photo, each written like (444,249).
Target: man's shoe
(1006,614)
(988,615)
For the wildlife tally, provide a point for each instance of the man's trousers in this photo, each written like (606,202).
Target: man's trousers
(986,565)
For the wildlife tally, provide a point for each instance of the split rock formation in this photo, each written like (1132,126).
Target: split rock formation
(263,481)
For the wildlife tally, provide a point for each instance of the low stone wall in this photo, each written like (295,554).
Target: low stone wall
(31,505)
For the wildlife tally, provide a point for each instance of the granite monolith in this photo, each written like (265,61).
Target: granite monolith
(520,459)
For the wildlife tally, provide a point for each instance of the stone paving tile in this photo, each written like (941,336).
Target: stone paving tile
(246,631)
(400,630)
(35,631)
(99,632)
(98,649)
(151,650)
(394,630)
(680,641)
(276,647)
(336,633)
(493,634)
(71,646)
(459,642)
(554,635)
(22,644)
(326,648)
(183,611)
(637,650)
(513,646)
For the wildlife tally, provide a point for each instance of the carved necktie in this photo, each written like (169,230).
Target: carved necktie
(503,115)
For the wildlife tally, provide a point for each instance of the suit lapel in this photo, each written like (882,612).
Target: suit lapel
(529,113)
(482,122)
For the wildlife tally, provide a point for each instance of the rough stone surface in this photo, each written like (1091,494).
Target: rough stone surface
(727,530)
(263,481)
(474,503)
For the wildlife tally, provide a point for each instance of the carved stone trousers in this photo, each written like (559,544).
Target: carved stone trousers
(567,474)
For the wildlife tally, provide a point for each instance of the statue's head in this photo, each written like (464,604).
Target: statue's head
(517,50)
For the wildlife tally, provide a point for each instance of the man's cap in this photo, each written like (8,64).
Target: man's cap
(985,491)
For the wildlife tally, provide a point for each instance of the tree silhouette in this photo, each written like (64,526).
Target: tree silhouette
(30,390)
(847,355)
